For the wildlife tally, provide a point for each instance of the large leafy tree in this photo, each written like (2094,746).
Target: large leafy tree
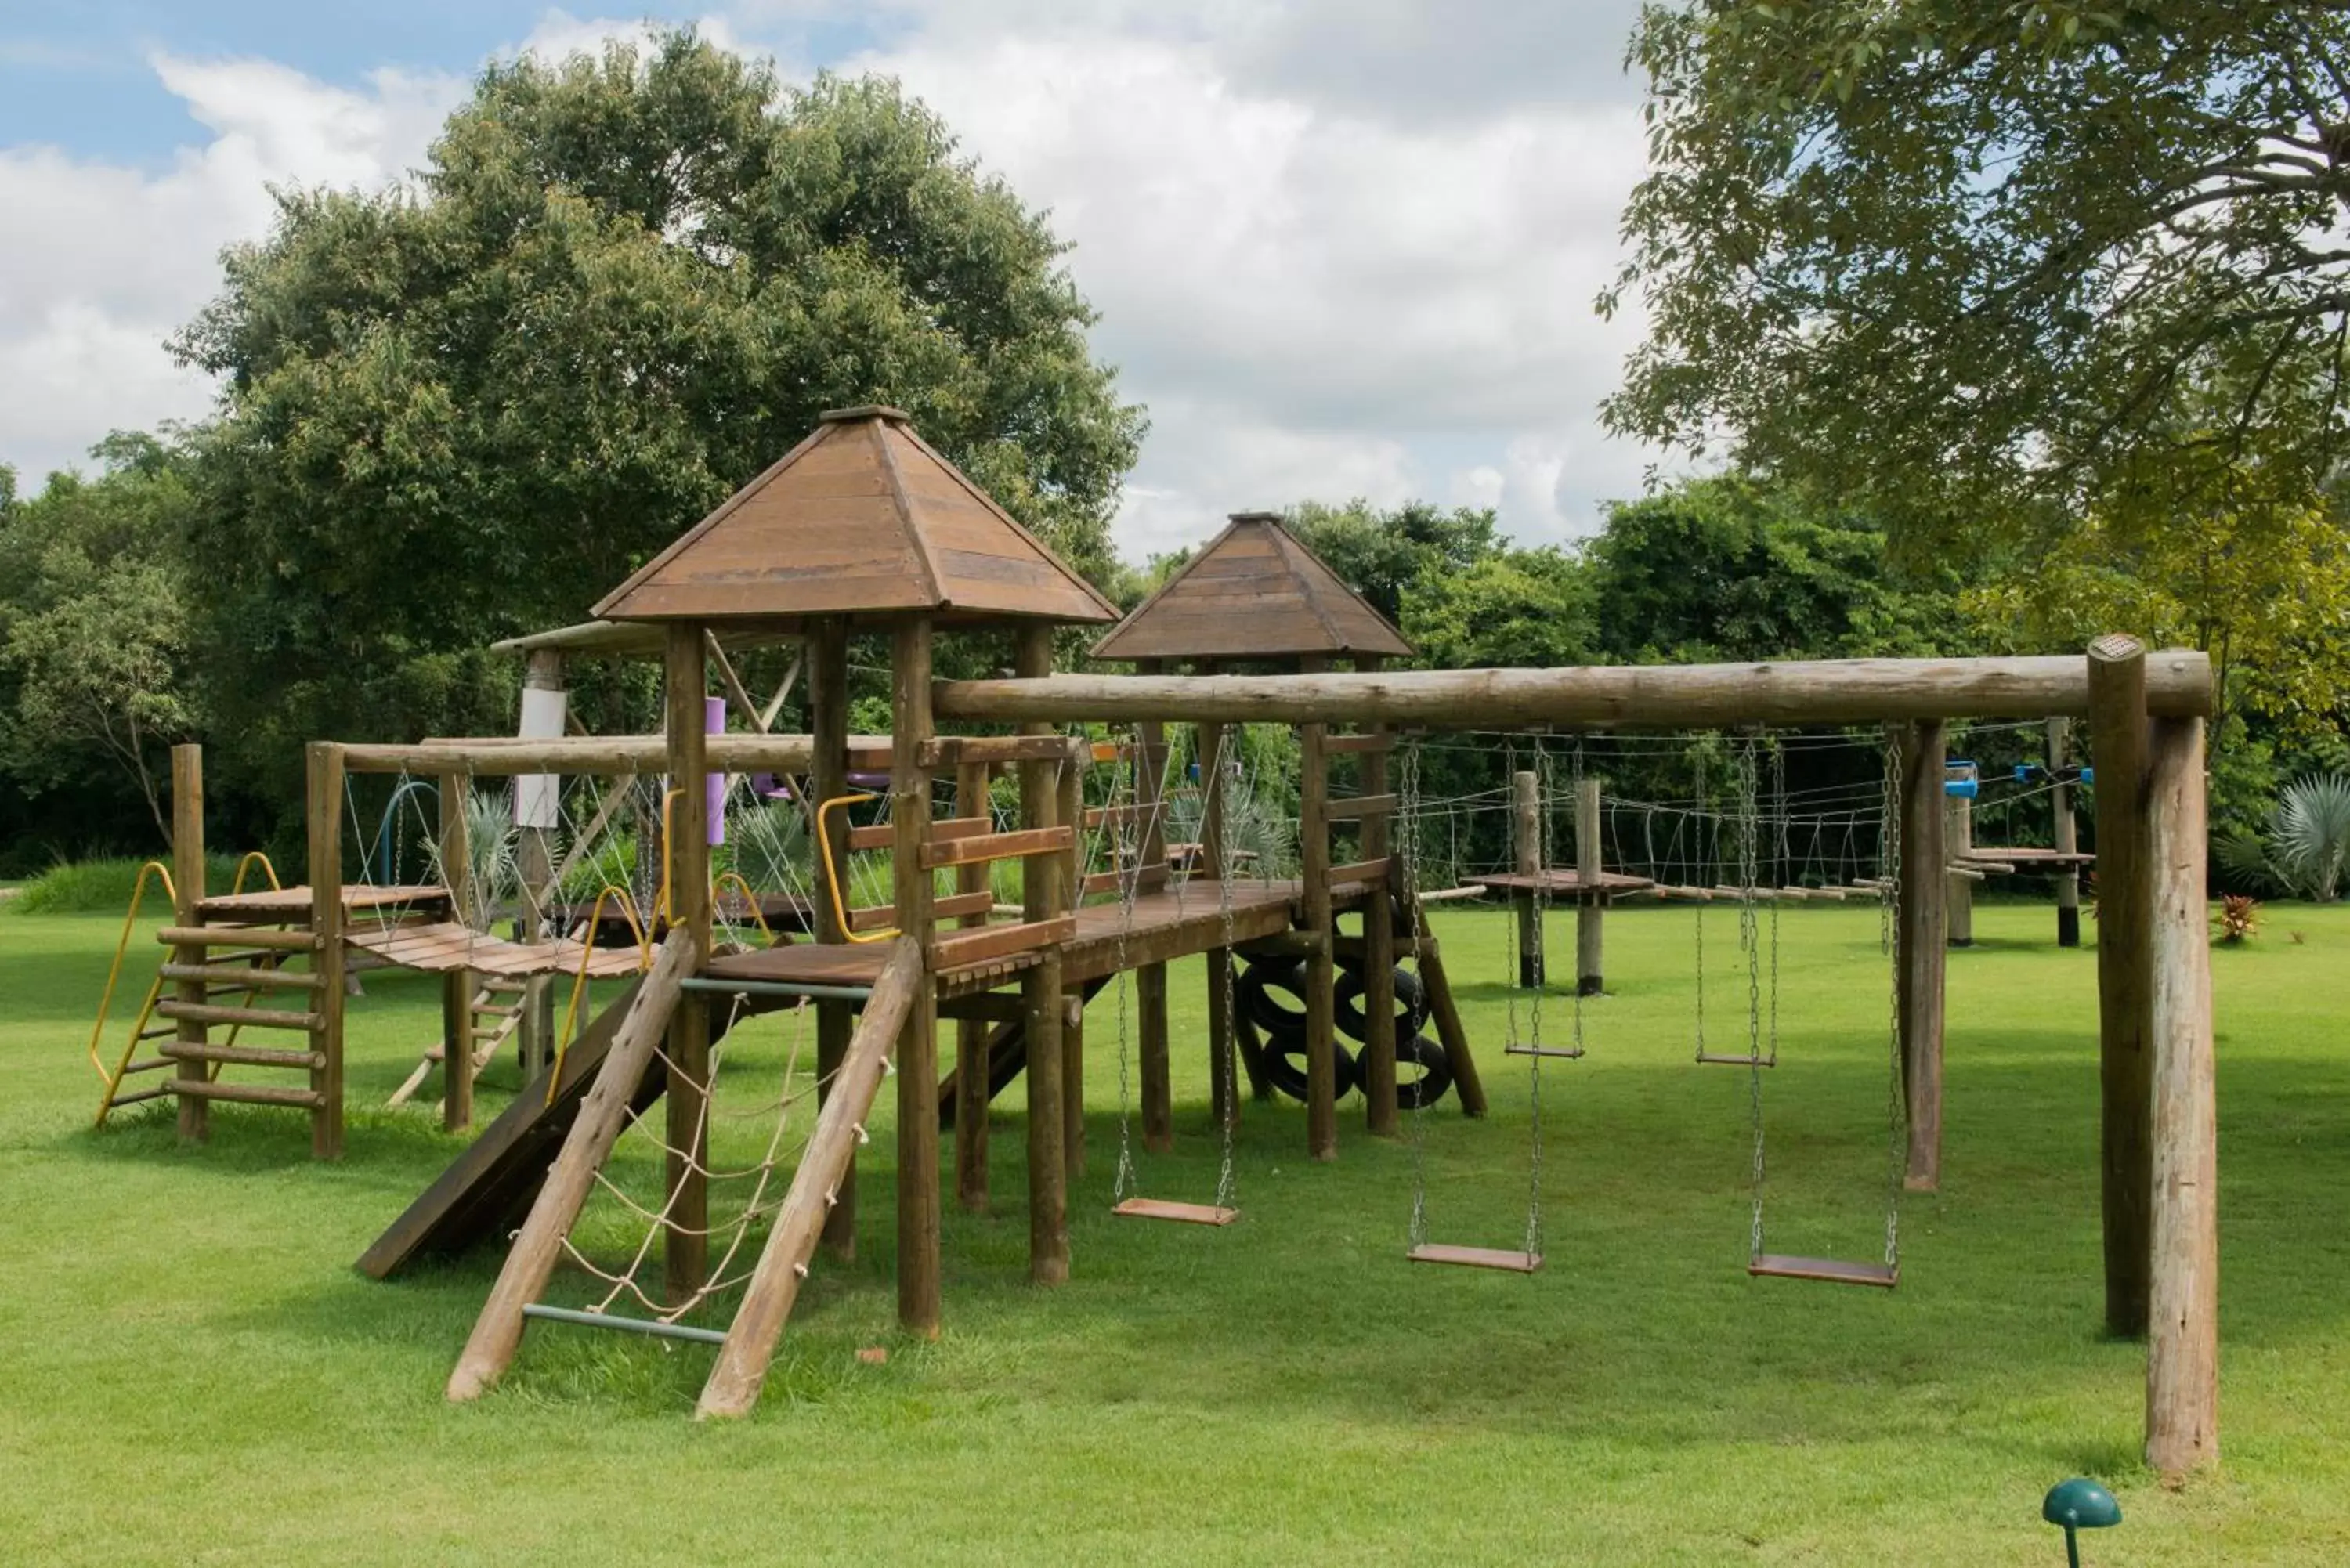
(93,645)
(1977,263)
(621,288)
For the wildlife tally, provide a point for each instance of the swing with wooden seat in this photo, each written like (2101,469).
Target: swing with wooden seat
(1886,1274)
(1527,1259)
(1128,858)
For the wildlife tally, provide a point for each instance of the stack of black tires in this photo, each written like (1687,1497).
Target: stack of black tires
(1271,993)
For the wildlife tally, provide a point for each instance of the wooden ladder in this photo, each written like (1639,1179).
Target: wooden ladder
(505,1001)
(243,961)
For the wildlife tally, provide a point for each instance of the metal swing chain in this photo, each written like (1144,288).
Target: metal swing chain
(1743,770)
(1581,893)
(1891,870)
(1129,874)
(1543,779)
(1226,1193)
(1417,1230)
(1779,806)
(1697,820)
(1512,966)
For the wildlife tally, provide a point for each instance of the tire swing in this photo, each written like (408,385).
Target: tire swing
(1262,985)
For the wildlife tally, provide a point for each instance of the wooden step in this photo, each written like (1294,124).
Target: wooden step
(149,1066)
(244,1055)
(237,977)
(243,1017)
(247,1094)
(296,941)
(119,1101)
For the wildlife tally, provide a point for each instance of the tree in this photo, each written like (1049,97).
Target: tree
(1528,609)
(1996,263)
(1382,554)
(94,630)
(621,287)
(1734,568)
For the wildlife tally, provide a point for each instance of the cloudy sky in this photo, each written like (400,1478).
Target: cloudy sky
(1340,247)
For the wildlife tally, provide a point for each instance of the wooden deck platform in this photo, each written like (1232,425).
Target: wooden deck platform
(442,948)
(1170,923)
(1559,882)
(282,906)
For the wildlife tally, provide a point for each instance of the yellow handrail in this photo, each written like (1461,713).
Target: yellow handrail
(831,877)
(114,974)
(237,884)
(629,912)
(750,901)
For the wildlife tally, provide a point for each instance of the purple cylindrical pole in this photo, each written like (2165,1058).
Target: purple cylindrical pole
(713,720)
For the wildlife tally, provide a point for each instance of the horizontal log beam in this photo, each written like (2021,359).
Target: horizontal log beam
(1822,691)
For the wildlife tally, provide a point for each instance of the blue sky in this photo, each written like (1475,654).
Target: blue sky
(1340,247)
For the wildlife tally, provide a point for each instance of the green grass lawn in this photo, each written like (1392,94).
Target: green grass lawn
(193,1374)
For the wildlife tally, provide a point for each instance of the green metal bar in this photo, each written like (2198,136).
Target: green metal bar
(625,1325)
(782,988)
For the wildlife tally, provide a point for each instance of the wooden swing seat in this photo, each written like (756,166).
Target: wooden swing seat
(1506,1258)
(1708,1059)
(1186,1214)
(1833,1271)
(1561,1052)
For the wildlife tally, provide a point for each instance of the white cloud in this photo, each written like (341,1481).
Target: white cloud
(1339,251)
(105,262)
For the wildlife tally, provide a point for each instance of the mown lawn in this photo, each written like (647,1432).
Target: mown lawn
(193,1374)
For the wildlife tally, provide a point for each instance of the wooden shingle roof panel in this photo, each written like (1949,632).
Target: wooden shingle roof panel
(1253,592)
(861,518)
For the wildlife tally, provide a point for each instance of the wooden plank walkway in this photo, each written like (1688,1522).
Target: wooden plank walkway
(443,947)
(292,905)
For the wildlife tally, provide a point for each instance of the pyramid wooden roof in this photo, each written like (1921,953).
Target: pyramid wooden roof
(862,519)
(1253,592)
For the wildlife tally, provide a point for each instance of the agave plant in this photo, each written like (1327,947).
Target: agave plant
(1258,833)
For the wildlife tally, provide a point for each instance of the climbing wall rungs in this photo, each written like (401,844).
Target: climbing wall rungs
(244,1055)
(245,1017)
(247,1094)
(237,936)
(237,977)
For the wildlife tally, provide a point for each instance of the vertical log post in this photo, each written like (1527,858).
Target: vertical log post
(686,1246)
(828,697)
(1040,996)
(2182,1364)
(187,893)
(2118,739)
(1150,979)
(970,1033)
(1321,968)
(1525,831)
(1921,924)
(457,986)
(1591,899)
(1380,1116)
(918,1043)
(1959,841)
(2066,837)
(324,768)
(534,858)
(1072,811)
(537,1026)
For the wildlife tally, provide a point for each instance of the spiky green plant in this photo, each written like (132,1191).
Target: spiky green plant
(2309,835)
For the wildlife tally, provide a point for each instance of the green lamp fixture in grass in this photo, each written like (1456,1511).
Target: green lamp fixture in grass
(2079,1504)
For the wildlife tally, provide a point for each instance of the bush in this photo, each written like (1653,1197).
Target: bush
(103,887)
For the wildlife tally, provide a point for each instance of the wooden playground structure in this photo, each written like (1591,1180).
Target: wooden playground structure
(865,529)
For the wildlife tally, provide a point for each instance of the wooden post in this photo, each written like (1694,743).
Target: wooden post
(537,1026)
(2182,1371)
(1072,811)
(188,892)
(1920,930)
(497,1333)
(457,986)
(1959,840)
(1150,979)
(1321,968)
(1381,1116)
(918,1039)
(686,1247)
(1040,995)
(1591,900)
(828,696)
(324,767)
(2118,739)
(972,1075)
(533,863)
(2066,837)
(1449,1032)
(1526,830)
